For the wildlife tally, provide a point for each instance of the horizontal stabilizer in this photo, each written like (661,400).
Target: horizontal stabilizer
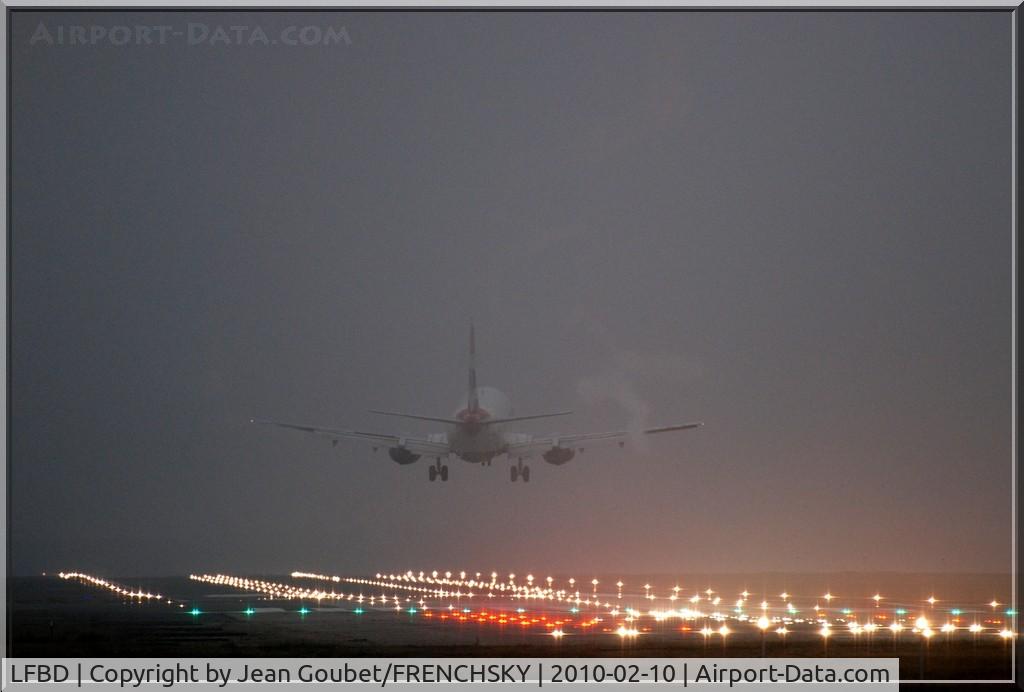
(514,419)
(433,419)
(670,428)
(456,421)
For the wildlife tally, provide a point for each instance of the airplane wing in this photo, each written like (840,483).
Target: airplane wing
(416,445)
(538,445)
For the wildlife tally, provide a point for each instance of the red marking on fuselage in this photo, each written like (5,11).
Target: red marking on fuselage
(472,417)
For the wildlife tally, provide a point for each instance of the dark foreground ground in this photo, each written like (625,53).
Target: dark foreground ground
(50,617)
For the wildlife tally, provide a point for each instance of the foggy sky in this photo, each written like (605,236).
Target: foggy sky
(792,226)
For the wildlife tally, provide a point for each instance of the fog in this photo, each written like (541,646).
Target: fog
(794,227)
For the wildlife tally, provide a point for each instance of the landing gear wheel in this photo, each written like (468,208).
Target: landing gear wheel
(444,473)
(432,473)
(515,473)
(526,474)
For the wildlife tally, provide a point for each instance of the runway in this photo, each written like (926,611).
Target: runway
(450,613)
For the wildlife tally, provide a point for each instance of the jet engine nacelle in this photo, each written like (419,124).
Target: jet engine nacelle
(401,455)
(559,455)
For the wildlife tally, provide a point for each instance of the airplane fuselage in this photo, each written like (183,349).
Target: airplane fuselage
(472,441)
(477,433)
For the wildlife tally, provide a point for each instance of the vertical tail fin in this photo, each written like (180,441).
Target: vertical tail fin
(472,403)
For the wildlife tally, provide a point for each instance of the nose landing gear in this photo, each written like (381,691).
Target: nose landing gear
(520,470)
(437,470)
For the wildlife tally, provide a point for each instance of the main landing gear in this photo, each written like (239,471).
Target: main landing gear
(520,470)
(438,470)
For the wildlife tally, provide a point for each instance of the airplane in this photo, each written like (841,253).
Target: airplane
(476,434)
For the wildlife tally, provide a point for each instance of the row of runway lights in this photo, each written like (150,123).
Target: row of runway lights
(509,588)
(116,588)
(390,581)
(447,586)
(921,626)
(121,590)
(777,624)
(530,591)
(278,590)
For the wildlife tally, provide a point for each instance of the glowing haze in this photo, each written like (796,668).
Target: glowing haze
(792,226)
